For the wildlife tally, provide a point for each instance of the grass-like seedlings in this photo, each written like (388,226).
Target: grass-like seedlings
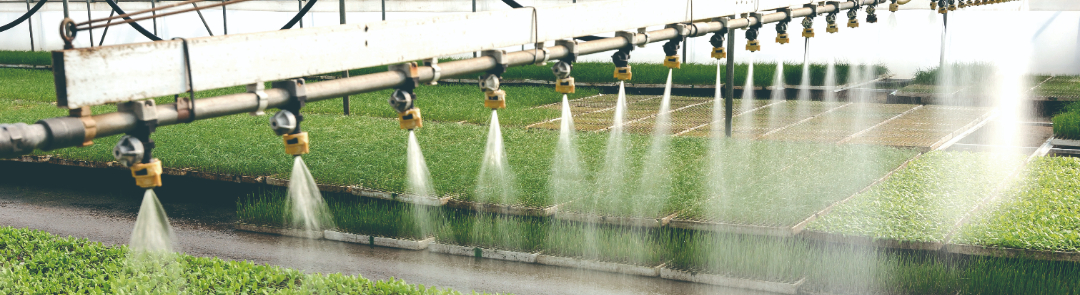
(924,200)
(1041,213)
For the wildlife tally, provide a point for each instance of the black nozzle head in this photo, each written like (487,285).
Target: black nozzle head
(621,58)
(402,100)
(672,47)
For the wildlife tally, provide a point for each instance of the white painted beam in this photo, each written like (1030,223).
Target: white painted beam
(101,75)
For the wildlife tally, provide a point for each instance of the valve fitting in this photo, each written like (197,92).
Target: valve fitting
(808,21)
(853,16)
(752,44)
(830,18)
(671,52)
(135,150)
(621,58)
(942,6)
(717,41)
(952,5)
(782,26)
(403,99)
(894,7)
(871,13)
(287,121)
(564,83)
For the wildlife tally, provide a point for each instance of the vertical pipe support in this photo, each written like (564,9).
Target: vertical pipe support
(224,20)
(341,19)
(89,17)
(30,24)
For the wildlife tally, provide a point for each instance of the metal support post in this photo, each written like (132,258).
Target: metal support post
(88,17)
(300,6)
(224,20)
(30,24)
(153,5)
(341,18)
(66,9)
(473,10)
(198,11)
(384,9)
(729,97)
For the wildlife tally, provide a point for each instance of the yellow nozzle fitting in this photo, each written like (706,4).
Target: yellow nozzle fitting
(894,7)
(853,23)
(296,144)
(672,62)
(410,119)
(719,52)
(832,29)
(962,5)
(496,99)
(564,86)
(942,10)
(782,39)
(808,33)
(753,45)
(933,5)
(147,175)
(623,73)
(952,7)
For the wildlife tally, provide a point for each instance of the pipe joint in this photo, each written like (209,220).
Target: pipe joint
(63,132)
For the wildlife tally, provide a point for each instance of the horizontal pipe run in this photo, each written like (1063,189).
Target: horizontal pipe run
(37,136)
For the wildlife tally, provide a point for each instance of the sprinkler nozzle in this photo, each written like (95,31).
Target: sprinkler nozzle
(671,49)
(894,7)
(496,99)
(717,41)
(128,151)
(284,122)
(719,53)
(753,45)
(808,33)
(624,73)
(933,5)
(410,119)
(782,39)
(672,62)
(853,23)
(147,175)
(296,144)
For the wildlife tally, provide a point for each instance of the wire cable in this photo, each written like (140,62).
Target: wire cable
(24,17)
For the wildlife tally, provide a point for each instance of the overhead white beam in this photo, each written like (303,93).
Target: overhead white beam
(95,76)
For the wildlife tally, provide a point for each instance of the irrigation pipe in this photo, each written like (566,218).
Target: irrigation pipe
(61,132)
(24,17)
(133,24)
(299,15)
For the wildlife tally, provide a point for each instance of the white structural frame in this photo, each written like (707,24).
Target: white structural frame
(118,73)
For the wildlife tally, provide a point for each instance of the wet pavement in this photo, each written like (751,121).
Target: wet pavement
(69,201)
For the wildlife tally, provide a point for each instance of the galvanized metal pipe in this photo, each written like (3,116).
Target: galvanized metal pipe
(42,135)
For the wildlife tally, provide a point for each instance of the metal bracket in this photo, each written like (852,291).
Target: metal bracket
(681,29)
(836,7)
(813,9)
(144,110)
(411,72)
(436,71)
(629,36)
(787,14)
(643,31)
(259,89)
(540,47)
(297,98)
(500,61)
(571,48)
(757,20)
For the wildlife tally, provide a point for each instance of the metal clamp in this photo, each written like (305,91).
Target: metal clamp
(500,61)
(145,112)
(259,89)
(411,72)
(629,36)
(571,47)
(297,98)
(681,30)
(813,9)
(643,32)
(835,5)
(436,71)
(540,47)
(185,108)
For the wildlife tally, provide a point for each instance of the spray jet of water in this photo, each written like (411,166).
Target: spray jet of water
(152,231)
(496,180)
(566,172)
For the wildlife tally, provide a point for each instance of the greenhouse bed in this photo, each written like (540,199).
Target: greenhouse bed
(900,212)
